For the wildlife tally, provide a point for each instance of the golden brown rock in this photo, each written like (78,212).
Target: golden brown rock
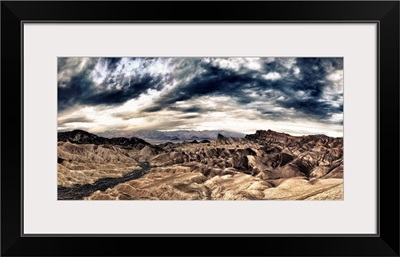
(266,165)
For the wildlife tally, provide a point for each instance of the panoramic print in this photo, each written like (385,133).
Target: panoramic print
(200,128)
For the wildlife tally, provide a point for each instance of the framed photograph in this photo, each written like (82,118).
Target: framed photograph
(272,125)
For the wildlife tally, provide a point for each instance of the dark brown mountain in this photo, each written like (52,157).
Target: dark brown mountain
(83,137)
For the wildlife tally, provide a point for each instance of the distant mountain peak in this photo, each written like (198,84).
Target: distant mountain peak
(220,136)
(81,131)
(157,137)
(83,137)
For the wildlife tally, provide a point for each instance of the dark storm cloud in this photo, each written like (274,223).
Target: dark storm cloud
(292,84)
(77,86)
(303,93)
(213,81)
(153,109)
(194,116)
(118,96)
(196,109)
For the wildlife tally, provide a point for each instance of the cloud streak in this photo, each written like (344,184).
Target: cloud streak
(80,119)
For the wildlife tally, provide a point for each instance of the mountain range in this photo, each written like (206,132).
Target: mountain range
(83,137)
(264,165)
(159,137)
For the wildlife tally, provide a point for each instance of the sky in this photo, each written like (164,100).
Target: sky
(299,96)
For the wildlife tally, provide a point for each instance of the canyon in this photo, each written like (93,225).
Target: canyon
(266,165)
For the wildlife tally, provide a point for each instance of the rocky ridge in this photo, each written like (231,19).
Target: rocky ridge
(83,137)
(258,166)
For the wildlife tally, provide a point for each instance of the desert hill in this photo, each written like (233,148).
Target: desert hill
(264,165)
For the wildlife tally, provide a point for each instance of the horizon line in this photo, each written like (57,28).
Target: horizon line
(299,135)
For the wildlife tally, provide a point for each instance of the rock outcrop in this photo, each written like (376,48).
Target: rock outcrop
(83,137)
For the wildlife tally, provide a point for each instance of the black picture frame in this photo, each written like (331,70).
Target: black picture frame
(384,243)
